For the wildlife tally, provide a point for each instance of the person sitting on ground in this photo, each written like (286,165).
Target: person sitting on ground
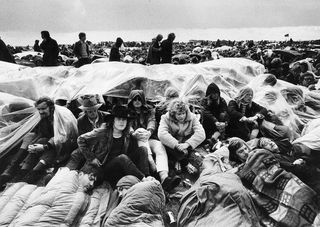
(45,144)
(92,117)
(181,132)
(308,79)
(214,114)
(143,128)
(245,115)
(135,202)
(112,149)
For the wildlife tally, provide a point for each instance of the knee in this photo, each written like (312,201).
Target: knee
(122,158)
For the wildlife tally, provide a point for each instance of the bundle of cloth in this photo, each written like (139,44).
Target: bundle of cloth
(60,203)
(142,205)
(218,198)
(282,196)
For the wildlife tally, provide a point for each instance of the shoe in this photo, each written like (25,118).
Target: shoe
(170,183)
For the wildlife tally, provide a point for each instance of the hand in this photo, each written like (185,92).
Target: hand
(149,178)
(35,148)
(243,119)
(183,146)
(96,162)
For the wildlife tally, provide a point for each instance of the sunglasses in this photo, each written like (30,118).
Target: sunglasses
(137,98)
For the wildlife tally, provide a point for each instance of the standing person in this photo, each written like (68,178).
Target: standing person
(166,48)
(50,49)
(81,50)
(154,53)
(36,46)
(115,53)
(5,54)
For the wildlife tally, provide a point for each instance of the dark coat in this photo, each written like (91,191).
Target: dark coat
(84,124)
(146,119)
(114,53)
(213,113)
(154,53)
(50,50)
(97,143)
(5,54)
(242,129)
(166,51)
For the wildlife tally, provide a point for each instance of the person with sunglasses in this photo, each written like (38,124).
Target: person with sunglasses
(143,126)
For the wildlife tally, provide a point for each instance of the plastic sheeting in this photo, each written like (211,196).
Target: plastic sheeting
(294,105)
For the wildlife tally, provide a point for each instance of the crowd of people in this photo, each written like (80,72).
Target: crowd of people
(159,142)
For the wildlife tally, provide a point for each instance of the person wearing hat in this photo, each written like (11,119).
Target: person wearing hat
(214,114)
(112,148)
(92,117)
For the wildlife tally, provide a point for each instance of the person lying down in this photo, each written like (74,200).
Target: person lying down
(62,202)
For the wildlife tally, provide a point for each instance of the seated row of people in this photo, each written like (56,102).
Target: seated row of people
(130,141)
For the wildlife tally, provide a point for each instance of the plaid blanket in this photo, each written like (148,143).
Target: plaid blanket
(286,200)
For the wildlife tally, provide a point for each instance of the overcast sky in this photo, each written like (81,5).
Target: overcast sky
(85,15)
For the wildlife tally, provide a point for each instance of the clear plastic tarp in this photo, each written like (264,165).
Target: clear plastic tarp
(294,105)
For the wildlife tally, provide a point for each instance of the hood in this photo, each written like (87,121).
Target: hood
(212,89)
(135,93)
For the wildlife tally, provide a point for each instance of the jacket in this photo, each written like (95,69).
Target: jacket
(84,124)
(77,49)
(146,119)
(171,133)
(98,142)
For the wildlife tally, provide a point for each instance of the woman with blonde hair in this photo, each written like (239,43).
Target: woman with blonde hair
(181,132)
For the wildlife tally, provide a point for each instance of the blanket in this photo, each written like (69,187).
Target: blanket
(217,199)
(59,203)
(281,195)
(141,206)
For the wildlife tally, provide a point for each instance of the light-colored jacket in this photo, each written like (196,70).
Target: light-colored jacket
(171,133)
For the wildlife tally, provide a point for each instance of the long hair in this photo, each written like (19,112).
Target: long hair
(242,93)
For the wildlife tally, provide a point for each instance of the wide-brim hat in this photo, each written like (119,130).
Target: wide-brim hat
(89,102)
(120,111)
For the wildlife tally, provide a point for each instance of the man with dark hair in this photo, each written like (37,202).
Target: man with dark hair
(166,48)
(50,49)
(114,52)
(57,129)
(81,50)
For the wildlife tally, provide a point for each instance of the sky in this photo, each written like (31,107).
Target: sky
(22,20)
(76,15)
